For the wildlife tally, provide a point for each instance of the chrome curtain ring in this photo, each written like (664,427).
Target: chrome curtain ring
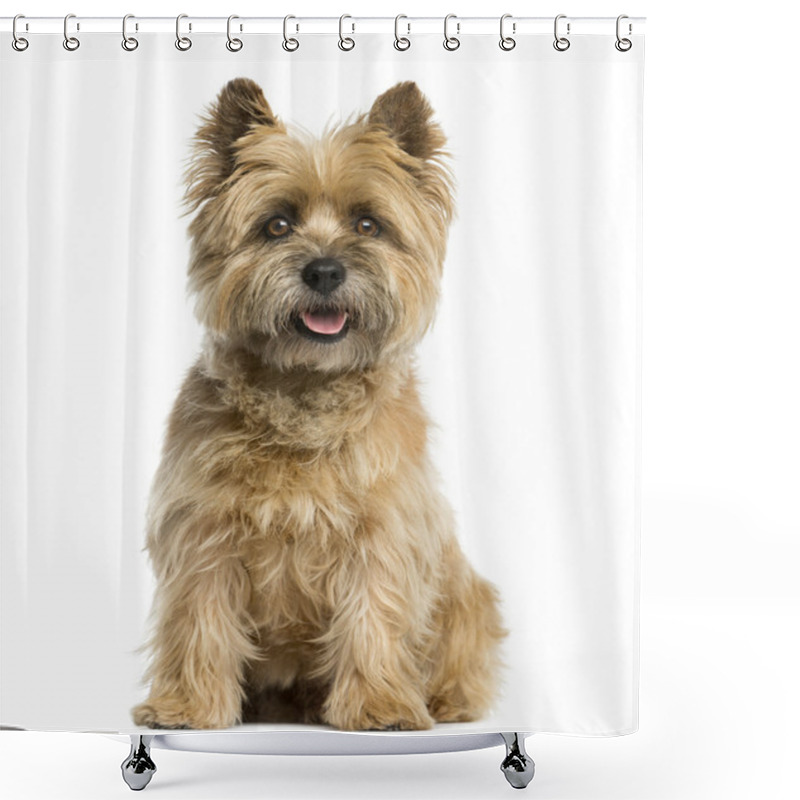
(401,42)
(289,44)
(623,45)
(129,43)
(561,43)
(70,42)
(345,42)
(234,45)
(451,42)
(19,43)
(181,42)
(506,42)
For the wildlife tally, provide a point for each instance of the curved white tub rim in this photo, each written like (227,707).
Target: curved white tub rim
(303,741)
(283,740)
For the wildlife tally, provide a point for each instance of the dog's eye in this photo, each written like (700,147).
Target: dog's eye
(277,227)
(367,226)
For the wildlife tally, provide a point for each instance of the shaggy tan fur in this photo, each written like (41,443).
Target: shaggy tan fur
(306,561)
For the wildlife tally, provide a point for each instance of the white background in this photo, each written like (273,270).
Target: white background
(721,453)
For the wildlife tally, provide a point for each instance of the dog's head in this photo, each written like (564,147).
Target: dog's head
(324,254)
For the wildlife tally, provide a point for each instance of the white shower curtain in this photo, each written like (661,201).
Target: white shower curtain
(530,373)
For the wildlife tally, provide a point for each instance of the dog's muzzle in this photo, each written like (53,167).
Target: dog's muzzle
(330,322)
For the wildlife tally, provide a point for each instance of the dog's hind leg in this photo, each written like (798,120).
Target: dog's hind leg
(467,634)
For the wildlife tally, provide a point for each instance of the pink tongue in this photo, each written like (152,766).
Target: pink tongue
(329,323)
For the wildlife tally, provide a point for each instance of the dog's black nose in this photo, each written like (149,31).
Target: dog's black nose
(323,275)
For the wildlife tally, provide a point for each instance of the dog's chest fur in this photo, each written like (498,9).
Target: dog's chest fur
(298,474)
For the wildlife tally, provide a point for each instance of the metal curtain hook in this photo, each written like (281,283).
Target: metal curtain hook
(129,43)
(19,43)
(451,42)
(506,42)
(345,42)
(70,42)
(623,45)
(401,42)
(182,42)
(561,43)
(234,45)
(289,44)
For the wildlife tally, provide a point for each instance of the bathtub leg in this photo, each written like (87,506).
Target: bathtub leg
(517,766)
(138,768)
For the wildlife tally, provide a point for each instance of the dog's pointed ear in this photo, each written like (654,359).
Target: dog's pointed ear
(239,107)
(407,116)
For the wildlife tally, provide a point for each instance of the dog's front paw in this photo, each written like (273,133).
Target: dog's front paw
(162,713)
(383,718)
(448,709)
(171,713)
(374,712)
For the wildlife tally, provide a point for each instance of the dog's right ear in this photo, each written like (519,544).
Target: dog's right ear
(239,107)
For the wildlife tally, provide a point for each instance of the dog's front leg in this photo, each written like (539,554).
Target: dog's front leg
(372,650)
(200,647)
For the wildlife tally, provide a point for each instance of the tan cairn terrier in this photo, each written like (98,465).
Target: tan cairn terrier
(306,562)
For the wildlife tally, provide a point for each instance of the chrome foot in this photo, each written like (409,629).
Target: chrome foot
(517,766)
(138,768)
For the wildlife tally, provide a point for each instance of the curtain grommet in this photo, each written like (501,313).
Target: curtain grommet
(623,44)
(129,43)
(507,43)
(401,43)
(71,43)
(234,45)
(19,43)
(346,43)
(183,43)
(289,44)
(451,43)
(561,43)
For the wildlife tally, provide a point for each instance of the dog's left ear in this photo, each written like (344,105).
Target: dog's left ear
(406,114)
(239,108)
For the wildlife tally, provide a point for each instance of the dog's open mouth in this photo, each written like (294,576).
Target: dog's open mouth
(323,325)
